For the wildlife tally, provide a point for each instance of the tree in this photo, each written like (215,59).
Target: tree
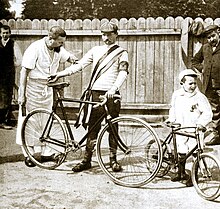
(81,9)
(4,10)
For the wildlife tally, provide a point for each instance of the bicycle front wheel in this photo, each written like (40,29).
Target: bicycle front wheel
(205,176)
(133,135)
(44,138)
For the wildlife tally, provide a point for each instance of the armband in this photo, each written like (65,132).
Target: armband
(123,66)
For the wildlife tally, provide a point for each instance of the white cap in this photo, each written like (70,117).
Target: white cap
(186,72)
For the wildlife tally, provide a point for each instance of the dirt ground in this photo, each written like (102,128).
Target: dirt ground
(35,188)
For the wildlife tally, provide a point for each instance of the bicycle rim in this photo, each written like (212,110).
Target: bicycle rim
(47,150)
(135,134)
(205,176)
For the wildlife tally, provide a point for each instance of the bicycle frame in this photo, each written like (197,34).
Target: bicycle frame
(172,136)
(59,103)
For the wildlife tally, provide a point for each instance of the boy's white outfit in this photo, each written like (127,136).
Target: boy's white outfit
(189,109)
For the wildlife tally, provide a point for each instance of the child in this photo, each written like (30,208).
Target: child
(190,108)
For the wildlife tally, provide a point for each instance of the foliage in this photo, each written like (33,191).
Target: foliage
(82,9)
(4,12)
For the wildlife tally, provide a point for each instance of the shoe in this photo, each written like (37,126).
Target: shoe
(28,162)
(189,182)
(84,165)
(6,127)
(214,141)
(185,176)
(48,158)
(116,167)
(175,178)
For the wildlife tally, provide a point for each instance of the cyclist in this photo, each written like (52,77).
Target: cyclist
(110,69)
(190,108)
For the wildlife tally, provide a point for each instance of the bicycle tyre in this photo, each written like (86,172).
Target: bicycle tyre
(135,134)
(206,185)
(36,144)
(152,155)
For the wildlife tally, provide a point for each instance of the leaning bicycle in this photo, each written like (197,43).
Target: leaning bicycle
(206,167)
(45,131)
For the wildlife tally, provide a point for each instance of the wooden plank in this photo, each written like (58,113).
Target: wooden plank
(122,41)
(158,69)
(150,60)
(87,45)
(132,51)
(135,106)
(169,54)
(95,32)
(140,64)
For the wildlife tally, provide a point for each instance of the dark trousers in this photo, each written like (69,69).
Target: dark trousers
(7,82)
(113,109)
(213,96)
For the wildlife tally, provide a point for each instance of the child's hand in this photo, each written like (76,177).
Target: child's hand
(201,128)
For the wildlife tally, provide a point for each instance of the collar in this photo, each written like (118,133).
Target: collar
(182,92)
(4,42)
(109,46)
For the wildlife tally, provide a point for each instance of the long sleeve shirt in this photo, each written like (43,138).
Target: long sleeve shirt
(190,109)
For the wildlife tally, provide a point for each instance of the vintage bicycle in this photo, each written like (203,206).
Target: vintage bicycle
(44,130)
(205,169)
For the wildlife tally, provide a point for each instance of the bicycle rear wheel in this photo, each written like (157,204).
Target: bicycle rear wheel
(133,136)
(152,156)
(205,176)
(44,138)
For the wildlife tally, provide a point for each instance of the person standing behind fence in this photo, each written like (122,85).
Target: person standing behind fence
(10,57)
(40,60)
(190,108)
(207,61)
(110,69)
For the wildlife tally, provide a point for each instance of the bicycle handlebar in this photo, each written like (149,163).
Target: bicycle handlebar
(105,99)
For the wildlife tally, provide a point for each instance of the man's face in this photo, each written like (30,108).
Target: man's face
(109,38)
(213,38)
(190,84)
(5,34)
(53,43)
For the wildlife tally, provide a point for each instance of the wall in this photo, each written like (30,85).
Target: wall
(158,50)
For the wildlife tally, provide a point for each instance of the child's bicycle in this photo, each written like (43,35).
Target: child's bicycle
(205,169)
(44,130)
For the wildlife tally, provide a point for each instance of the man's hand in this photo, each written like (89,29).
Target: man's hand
(111,92)
(52,78)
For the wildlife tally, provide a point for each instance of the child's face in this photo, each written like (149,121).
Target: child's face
(190,84)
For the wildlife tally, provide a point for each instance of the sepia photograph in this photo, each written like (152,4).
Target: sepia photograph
(109,104)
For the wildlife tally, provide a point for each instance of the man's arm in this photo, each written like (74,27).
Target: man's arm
(197,60)
(122,76)
(23,83)
(17,55)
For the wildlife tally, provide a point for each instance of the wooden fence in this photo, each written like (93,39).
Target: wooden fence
(158,50)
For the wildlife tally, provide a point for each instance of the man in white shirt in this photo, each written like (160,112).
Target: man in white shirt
(40,60)
(110,69)
(10,58)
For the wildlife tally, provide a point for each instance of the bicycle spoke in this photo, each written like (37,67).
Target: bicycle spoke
(135,135)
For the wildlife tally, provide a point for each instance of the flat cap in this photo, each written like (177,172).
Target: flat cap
(185,73)
(109,27)
(209,29)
